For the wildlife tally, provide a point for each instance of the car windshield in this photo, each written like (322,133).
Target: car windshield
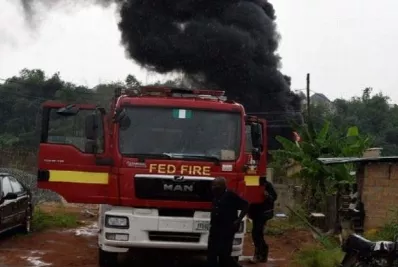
(180,133)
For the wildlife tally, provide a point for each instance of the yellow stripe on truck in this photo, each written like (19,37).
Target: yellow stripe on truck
(78,177)
(252,180)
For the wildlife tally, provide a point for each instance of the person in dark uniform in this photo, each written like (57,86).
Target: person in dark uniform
(224,223)
(260,214)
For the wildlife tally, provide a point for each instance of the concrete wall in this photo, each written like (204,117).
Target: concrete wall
(379,192)
(285,197)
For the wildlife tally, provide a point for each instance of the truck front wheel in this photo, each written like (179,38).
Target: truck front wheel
(107,259)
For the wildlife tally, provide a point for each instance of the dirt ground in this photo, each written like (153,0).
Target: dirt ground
(78,247)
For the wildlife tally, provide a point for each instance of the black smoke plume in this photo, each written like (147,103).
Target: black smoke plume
(226,44)
(229,43)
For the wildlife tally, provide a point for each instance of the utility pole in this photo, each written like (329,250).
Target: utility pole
(308,95)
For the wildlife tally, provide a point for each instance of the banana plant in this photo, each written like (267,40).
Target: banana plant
(323,143)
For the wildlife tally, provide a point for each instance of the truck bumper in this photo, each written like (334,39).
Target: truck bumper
(146,229)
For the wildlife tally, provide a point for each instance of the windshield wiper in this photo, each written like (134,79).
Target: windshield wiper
(173,156)
(149,155)
(188,156)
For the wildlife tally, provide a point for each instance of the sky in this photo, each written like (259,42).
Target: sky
(345,45)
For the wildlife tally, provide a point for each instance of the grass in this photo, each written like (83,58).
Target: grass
(276,227)
(328,254)
(387,232)
(317,256)
(279,226)
(58,218)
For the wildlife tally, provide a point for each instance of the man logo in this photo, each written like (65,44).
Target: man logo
(178,187)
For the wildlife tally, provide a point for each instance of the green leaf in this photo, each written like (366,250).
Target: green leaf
(287,144)
(353,131)
(323,133)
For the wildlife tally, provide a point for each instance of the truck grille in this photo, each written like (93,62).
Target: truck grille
(174,237)
(165,187)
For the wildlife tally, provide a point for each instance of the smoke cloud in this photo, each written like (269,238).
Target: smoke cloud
(229,43)
(225,44)
(31,8)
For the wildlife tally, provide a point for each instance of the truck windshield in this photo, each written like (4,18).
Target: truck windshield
(181,133)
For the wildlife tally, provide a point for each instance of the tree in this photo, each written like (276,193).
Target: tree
(131,81)
(316,177)
(21,97)
(372,113)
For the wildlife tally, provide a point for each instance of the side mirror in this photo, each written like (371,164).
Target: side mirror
(10,196)
(256,136)
(120,113)
(91,126)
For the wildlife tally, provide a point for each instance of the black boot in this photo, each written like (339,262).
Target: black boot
(263,257)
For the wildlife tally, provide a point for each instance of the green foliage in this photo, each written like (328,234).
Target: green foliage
(278,226)
(315,256)
(21,97)
(43,220)
(389,231)
(371,113)
(321,143)
(330,255)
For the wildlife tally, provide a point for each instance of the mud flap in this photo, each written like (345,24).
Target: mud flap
(67,162)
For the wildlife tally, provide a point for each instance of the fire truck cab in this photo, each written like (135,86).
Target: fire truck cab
(149,163)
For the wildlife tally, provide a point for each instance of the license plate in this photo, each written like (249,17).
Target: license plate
(202,226)
(165,225)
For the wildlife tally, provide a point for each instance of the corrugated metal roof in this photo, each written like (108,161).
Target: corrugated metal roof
(342,160)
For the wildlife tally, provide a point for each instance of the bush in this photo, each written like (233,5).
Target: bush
(43,220)
(317,256)
(387,232)
(328,254)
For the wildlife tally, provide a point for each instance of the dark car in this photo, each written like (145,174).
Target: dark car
(15,205)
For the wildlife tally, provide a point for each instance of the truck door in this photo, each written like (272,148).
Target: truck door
(262,168)
(255,168)
(73,157)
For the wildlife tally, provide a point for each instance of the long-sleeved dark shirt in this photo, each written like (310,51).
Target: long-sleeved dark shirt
(225,209)
(267,206)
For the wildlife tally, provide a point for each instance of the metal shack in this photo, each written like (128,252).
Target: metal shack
(377,179)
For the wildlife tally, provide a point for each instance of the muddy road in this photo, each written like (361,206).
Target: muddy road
(78,247)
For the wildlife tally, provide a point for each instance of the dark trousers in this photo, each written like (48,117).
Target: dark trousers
(219,250)
(261,247)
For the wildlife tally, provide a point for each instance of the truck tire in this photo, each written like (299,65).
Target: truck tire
(236,258)
(107,259)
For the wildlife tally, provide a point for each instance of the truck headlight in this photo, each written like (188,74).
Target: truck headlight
(237,241)
(116,221)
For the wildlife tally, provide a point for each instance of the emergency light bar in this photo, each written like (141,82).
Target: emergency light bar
(176,92)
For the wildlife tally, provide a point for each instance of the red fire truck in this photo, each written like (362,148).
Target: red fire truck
(149,162)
